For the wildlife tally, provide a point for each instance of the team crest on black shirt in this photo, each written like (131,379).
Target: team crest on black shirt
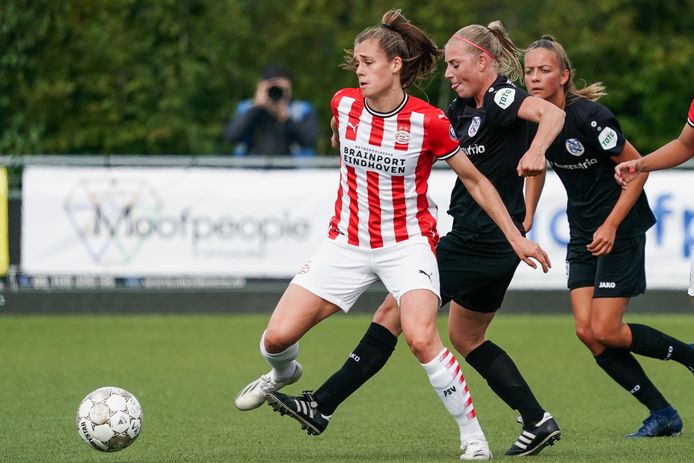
(574,146)
(474,126)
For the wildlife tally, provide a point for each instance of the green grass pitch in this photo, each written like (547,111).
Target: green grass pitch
(186,370)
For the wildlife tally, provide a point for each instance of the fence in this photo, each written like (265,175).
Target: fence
(212,234)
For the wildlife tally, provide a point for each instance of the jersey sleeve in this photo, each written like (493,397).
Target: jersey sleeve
(442,139)
(503,103)
(335,101)
(690,117)
(602,131)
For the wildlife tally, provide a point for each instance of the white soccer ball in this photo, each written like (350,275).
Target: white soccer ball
(109,419)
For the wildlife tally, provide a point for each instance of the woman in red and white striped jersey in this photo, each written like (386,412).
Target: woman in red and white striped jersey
(384,226)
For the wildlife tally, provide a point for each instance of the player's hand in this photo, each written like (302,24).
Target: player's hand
(531,164)
(627,171)
(528,250)
(603,240)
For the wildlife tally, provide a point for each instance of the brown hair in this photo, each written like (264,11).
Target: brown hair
(399,37)
(592,92)
(495,41)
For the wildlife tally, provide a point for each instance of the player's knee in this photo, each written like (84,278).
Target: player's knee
(606,336)
(422,347)
(585,335)
(276,341)
(465,342)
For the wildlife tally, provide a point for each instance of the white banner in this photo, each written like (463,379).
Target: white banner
(267,223)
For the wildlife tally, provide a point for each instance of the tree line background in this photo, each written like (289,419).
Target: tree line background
(164,76)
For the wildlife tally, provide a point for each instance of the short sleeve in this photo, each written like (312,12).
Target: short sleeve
(335,101)
(502,105)
(602,131)
(442,139)
(690,118)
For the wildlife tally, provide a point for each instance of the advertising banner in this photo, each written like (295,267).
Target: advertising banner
(253,223)
(4,235)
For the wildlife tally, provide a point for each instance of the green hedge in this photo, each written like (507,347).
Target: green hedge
(163,76)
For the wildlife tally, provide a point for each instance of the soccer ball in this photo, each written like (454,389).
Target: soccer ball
(109,419)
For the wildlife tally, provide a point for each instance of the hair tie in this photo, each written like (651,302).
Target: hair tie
(388,27)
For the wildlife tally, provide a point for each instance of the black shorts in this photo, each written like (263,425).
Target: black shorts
(475,274)
(621,273)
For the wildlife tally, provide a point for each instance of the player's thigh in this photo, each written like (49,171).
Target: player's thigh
(467,328)
(407,267)
(297,311)
(622,272)
(338,273)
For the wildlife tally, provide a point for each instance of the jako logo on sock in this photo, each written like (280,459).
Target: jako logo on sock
(669,353)
(636,389)
(354,357)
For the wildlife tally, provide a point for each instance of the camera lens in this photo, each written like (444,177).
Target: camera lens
(275,93)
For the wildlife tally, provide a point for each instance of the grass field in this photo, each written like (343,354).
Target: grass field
(186,370)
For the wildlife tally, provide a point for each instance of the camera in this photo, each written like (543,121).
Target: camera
(275,93)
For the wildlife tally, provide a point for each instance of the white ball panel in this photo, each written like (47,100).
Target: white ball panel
(102,432)
(99,414)
(116,402)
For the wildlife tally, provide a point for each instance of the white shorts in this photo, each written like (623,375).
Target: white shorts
(340,273)
(691,274)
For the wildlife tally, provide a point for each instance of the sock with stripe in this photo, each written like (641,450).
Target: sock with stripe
(367,359)
(502,375)
(626,371)
(449,383)
(650,342)
(282,363)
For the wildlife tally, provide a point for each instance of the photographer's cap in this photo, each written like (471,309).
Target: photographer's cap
(274,71)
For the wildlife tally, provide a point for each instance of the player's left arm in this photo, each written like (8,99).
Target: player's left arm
(604,236)
(488,198)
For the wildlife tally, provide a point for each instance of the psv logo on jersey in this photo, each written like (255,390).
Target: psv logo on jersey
(402,137)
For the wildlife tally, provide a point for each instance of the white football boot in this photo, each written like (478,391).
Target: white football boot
(475,450)
(254,394)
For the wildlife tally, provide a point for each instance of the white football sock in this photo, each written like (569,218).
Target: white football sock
(282,363)
(449,383)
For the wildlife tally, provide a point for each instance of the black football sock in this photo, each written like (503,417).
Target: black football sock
(502,375)
(372,352)
(652,343)
(626,371)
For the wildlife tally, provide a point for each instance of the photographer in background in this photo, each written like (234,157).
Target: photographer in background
(273,123)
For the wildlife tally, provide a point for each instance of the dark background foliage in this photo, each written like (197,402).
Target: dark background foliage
(163,76)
